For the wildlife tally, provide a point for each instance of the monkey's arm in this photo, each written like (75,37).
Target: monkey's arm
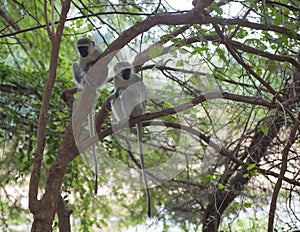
(81,77)
(77,78)
(113,96)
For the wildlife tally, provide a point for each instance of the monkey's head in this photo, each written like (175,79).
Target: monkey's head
(124,69)
(84,46)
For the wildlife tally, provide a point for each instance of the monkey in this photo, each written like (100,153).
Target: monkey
(126,102)
(89,53)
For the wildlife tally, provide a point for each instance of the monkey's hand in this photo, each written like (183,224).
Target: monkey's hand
(87,79)
(112,97)
(108,103)
(119,91)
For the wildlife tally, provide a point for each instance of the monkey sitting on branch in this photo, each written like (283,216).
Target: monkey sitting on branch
(126,102)
(89,53)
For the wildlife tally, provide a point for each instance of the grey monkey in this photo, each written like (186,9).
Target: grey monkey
(89,53)
(128,101)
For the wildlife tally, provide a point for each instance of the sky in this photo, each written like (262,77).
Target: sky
(181,4)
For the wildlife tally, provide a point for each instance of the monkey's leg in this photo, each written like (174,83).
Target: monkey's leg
(87,78)
(92,135)
(140,144)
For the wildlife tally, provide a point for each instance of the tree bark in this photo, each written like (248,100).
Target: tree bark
(63,214)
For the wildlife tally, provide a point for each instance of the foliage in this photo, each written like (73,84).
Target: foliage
(231,77)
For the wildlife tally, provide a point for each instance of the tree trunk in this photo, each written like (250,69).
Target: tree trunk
(63,214)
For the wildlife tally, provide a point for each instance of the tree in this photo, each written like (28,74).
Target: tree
(222,122)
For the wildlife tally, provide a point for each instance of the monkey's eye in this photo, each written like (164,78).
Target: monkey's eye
(126,73)
(83,51)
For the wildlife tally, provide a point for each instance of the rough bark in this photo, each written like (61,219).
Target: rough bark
(43,210)
(63,214)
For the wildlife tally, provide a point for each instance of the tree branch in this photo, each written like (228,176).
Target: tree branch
(184,106)
(63,214)
(277,187)
(249,49)
(36,206)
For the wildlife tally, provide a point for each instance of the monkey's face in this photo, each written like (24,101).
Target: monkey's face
(83,50)
(126,73)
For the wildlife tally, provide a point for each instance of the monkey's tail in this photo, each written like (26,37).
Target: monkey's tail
(93,134)
(140,143)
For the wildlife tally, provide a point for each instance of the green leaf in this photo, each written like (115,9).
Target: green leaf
(221,186)
(254,173)
(197,50)
(104,223)
(246,175)
(166,104)
(264,129)
(247,205)
(235,204)
(206,178)
(79,23)
(250,167)
(217,176)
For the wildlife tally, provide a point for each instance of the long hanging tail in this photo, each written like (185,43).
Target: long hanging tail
(92,135)
(140,143)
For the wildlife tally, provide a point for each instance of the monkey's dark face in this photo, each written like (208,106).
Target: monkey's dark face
(126,73)
(83,50)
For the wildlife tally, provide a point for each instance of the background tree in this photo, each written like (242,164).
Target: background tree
(223,86)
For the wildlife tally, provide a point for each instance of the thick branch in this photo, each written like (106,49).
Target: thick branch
(192,17)
(256,26)
(41,130)
(143,57)
(63,214)
(35,205)
(249,49)
(184,106)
